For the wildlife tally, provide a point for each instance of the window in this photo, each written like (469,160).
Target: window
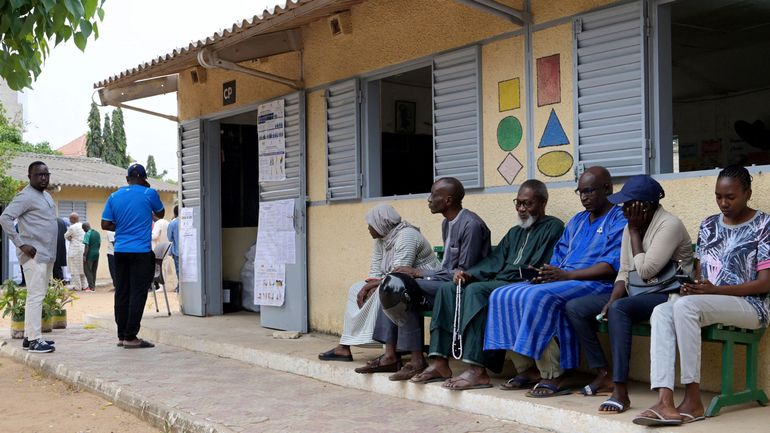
(68,207)
(712,83)
(393,133)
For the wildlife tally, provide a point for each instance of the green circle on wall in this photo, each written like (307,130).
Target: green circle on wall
(509,133)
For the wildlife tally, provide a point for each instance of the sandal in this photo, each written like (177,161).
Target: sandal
(451,384)
(654,421)
(407,372)
(554,390)
(519,382)
(688,418)
(143,344)
(429,377)
(590,391)
(614,405)
(375,366)
(330,355)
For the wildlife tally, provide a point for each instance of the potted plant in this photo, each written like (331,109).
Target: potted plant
(49,306)
(62,297)
(13,302)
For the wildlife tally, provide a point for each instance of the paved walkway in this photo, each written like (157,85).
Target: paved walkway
(200,392)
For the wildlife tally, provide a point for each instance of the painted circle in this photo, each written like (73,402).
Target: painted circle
(509,133)
(554,164)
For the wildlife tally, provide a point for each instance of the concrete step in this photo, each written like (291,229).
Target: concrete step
(240,337)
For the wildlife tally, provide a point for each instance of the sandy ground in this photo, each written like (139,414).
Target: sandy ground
(30,402)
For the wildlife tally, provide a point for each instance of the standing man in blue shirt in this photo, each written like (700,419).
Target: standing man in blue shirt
(128,212)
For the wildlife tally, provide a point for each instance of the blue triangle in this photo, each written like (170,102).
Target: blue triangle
(553,135)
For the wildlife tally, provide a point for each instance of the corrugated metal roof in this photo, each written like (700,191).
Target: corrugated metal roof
(291,14)
(78,171)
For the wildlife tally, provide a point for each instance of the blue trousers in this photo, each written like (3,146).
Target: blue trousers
(623,313)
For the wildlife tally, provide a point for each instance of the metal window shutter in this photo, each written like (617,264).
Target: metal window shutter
(294,122)
(343,162)
(190,150)
(609,71)
(456,117)
(79,207)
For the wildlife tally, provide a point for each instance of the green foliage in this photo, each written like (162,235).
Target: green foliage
(94,145)
(11,142)
(28,28)
(13,300)
(108,144)
(152,169)
(120,157)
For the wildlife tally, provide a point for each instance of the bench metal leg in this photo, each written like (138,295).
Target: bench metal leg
(729,397)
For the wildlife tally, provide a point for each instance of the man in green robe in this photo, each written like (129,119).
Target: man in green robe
(528,244)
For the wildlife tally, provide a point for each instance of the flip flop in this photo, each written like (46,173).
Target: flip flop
(376,367)
(590,391)
(687,418)
(518,383)
(555,391)
(142,345)
(467,387)
(406,372)
(613,403)
(430,379)
(657,421)
(329,355)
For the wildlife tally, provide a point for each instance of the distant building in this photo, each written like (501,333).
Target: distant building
(82,185)
(13,101)
(76,147)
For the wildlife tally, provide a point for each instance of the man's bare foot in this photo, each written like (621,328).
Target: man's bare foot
(601,385)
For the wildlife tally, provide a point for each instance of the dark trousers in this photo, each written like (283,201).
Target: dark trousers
(90,267)
(410,336)
(134,273)
(623,313)
(111,265)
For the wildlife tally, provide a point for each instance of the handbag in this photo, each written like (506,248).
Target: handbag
(665,282)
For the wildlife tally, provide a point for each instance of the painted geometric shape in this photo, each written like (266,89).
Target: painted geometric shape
(509,94)
(555,163)
(548,80)
(509,133)
(554,134)
(509,168)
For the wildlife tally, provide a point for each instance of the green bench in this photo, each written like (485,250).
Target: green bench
(729,336)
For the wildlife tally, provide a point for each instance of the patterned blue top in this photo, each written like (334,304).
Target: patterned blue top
(584,244)
(734,254)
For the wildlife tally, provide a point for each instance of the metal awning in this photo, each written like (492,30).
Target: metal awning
(269,34)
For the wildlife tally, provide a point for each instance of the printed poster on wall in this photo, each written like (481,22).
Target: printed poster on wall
(188,252)
(271,141)
(275,249)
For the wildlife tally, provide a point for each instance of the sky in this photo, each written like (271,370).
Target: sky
(133,32)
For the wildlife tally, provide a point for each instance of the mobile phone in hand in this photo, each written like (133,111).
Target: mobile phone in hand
(684,279)
(528,273)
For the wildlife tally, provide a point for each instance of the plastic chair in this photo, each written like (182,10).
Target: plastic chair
(160,251)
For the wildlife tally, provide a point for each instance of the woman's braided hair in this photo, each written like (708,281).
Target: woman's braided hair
(738,172)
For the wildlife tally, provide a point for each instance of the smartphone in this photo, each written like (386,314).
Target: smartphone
(528,273)
(684,279)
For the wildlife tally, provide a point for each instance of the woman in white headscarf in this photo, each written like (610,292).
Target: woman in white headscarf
(396,243)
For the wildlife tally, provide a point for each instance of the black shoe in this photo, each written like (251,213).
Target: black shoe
(25,343)
(40,346)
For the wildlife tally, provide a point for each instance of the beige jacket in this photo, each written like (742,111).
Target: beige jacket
(665,239)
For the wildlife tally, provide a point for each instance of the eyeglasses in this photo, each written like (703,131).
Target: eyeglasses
(586,191)
(527,204)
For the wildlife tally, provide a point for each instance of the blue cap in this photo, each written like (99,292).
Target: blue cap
(640,187)
(137,170)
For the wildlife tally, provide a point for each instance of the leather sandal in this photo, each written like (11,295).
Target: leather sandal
(407,372)
(377,367)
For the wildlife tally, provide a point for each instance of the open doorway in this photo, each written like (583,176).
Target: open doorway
(239,192)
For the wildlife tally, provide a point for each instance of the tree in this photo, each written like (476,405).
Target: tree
(119,139)
(108,145)
(27,28)
(152,170)
(11,142)
(94,144)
